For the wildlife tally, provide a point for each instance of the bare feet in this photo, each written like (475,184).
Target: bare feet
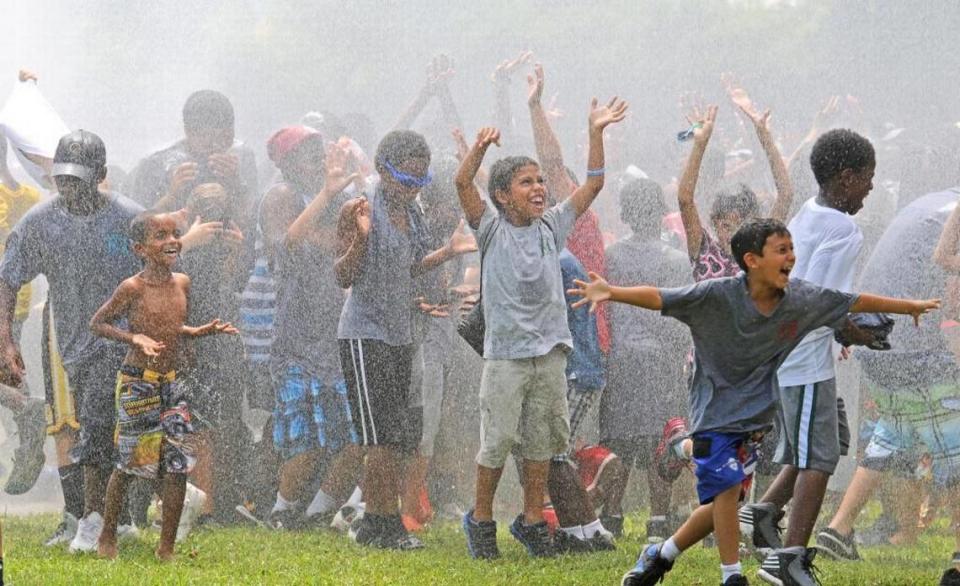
(164,554)
(107,549)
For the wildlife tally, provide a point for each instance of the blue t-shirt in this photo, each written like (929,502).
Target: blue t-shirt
(84,258)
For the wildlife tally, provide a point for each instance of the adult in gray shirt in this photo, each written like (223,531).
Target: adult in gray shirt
(78,241)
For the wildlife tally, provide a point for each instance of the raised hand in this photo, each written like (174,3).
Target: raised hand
(201,233)
(461,241)
(439,71)
(742,100)
(336,162)
(147,345)
(603,116)
(535,85)
(508,66)
(827,115)
(461,142)
(595,292)
(487,136)
(702,123)
(26,75)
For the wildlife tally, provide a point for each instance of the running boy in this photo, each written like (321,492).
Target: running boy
(153,418)
(743,328)
(524,384)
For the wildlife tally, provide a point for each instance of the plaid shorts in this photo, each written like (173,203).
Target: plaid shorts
(580,403)
(308,414)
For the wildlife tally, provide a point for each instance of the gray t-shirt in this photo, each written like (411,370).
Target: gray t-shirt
(738,349)
(84,258)
(523,302)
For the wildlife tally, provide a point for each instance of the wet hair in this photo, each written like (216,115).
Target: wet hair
(837,150)
(399,146)
(751,237)
(207,109)
(140,224)
(741,200)
(501,175)
(642,206)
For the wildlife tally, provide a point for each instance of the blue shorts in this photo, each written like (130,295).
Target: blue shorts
(724,460)
(308,414)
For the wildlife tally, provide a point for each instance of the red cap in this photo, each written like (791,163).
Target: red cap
(286,140)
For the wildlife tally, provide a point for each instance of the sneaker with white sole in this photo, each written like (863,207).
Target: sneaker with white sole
(346,516)
(761,523)
(128,532)
(193,502)
(65,532)
(837,546)
(88,533)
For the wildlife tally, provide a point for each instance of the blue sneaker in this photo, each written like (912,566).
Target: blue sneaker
(481,538)
(650,568)
(536,538)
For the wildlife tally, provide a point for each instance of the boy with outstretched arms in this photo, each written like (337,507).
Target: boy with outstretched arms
(743,328)
(153,418)
(523,387)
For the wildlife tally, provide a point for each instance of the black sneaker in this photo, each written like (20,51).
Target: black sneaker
(566,543)
(769,570)
(601,542)
(613,524)
(796,567)
(366,529)
(736,580)
(952,576)
(658,530)
(650,568)
(481,538)
(837,546)
(28,458)
(761,521)
(393,535)
(288,520)
(536,537)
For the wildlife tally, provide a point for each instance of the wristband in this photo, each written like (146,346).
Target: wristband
(596,172)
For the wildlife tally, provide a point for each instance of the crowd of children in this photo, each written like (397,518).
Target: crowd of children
(339,286)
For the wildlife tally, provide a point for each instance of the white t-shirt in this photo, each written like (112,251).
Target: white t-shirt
(827,243)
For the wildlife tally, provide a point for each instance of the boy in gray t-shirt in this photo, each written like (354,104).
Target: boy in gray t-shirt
(743,328)
(524,385)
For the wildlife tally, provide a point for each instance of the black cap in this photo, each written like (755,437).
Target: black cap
(80,154)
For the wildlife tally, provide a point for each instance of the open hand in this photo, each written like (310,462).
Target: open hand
(26,75)
(535,85)
(201,233)
(487,136)
(462,242)
(702,123)
(336,162)
(603,116)
(439,71)
(742,100)
(461,142)
(919,308)
(594,292)
(508,66)
(215,327)
(147,345)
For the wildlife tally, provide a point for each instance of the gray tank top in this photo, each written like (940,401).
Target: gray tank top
(379,306)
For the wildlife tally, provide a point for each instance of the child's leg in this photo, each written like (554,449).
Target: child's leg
(569,497)
(535,475)
(413,481)
(296,472)
(174,488)
(726,526)
(343,473)
(381,480)
(487,481)
(858,492)
(697,526)
(116,493)
(202,474)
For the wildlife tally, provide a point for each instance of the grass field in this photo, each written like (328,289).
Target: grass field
(258,556)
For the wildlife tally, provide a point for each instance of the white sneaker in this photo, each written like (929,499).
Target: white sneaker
(128,532)
(88,533)
(192,507)
(66,531)
(346,516)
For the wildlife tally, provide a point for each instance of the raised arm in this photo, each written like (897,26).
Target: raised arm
(335,181)
(416,107)
(439,76)
(821,121)
(946,255)
(353,232)
(598,290)
(460,242)
(761,123)
(867,303)
(702,124)
(600,118)
(548,147)
(470,200)
(502,112)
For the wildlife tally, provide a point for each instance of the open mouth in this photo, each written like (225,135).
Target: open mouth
(537,201)
(171,251)
(785,271)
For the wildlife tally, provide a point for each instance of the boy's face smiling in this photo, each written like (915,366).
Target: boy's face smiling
(774,265)
(161,245)
(527,199)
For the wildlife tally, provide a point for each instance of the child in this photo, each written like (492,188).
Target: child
(524,384)
(743,328)
(153,418)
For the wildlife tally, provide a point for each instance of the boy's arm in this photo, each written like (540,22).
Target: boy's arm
(598,290)
(470,200)
(946,253)
(353,232)
(761,122)
(867,303)
(502,114)
(336,180)
(549,153)
(116,307)
(439,75)
(214,327)
(600,118)
(702,130)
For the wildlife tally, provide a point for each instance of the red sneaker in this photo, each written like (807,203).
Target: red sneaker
(550,516)
(668,464)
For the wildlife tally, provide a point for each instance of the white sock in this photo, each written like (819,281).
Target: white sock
(592,529)
(283,504)
(730,570)
(575,531)
(321,503)
(356,497)
(669,550)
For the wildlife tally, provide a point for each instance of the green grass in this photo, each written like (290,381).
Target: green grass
(257,556)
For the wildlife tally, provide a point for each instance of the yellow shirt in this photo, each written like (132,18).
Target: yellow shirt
(13,205)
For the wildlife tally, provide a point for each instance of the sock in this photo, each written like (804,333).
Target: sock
(669,550)
(592,529)
(730,570)
(679,451)
(575,531)
(282,504)
(355,498)
(321,503)
(71,483)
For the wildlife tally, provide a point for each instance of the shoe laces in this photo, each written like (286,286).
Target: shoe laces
(806,562)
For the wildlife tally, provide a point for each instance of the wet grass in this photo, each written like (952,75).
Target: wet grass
(257,556)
